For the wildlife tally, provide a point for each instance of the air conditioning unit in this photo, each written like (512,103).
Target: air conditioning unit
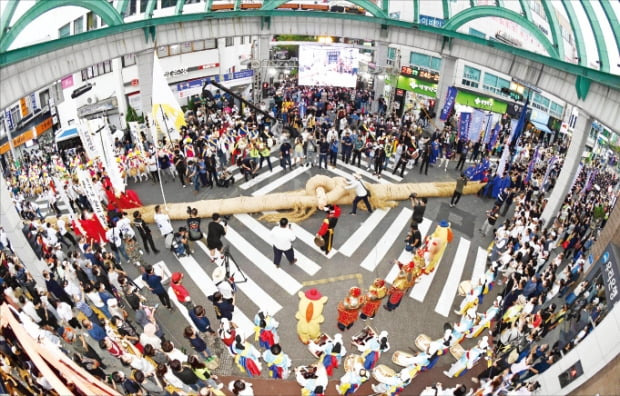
(255,64)
(90,99)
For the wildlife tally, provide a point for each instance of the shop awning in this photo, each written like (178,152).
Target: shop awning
(541,127)
(66,134)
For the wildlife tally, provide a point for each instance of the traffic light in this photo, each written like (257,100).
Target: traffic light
(265,89)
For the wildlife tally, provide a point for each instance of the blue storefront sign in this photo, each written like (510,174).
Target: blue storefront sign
(609,268)
(432,21)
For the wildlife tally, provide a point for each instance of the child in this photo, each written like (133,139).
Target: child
(180,291)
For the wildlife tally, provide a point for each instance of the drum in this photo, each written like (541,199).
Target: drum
(422,342)
(399,356)
(465,288)
(457,351)
(352,362)
(381,372)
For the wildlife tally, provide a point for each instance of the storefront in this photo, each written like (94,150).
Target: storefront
(29,137)
(415,87)
(481,102)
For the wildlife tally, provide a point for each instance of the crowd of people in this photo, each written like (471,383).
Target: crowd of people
(94,312)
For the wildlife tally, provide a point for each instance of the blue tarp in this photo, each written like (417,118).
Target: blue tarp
(541,127)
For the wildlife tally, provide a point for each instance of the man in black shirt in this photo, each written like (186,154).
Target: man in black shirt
(323,150)
(224,308)
(145,232)
(215,231)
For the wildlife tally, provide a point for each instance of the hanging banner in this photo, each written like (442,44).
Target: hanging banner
(494,135)
(550,166)
(89,190)
(88,141)
(447,107)
(488,128)
(502,162)
(111,161)
(134,129)
(464,120)
(475,126)
(420,87)
(530,168)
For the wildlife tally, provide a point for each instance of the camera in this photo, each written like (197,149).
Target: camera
(413,195)
(189,210)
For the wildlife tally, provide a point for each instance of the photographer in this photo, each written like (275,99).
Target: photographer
(419,207)
(282,238)
(215,231)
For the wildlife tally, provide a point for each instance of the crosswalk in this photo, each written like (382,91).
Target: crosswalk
(378,240)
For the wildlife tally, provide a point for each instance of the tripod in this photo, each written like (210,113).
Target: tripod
(227,260)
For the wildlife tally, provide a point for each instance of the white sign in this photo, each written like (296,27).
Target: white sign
(89,190)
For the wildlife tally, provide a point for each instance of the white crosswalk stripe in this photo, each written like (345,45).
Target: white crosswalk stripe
(303,262)
(308,238)
(256,294)
(480,264)
(454,278)
(368,174)
(419,291)
(387,240)
(349,176)
(405,256)
(280,181)
(360,235)
(254,256)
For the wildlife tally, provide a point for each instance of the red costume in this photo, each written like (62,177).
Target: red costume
(348,310)
(376,292)
(327,228)
(93,228)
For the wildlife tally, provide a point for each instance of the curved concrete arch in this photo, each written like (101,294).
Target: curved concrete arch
(599,38)
(574,24)
(446,9)
(100,7)
(554,25)
(489,11)
(369,6)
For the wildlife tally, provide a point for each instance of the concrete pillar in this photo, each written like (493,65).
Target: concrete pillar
(144,60)
(381,57)
(117,69)
(12,224)
(260,74)
(446,79)
(571,163)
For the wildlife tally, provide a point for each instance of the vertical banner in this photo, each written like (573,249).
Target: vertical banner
(494,135)
(60,188)
(447,107)
(134,129)
(111,161)
(88,141)
(502,162)
(87,186)
(513,128)
(550,165)
(475,126)
(464,120)
(530,167)
(166,111)
(488,128)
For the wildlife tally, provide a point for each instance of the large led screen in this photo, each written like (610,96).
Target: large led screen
(328,65)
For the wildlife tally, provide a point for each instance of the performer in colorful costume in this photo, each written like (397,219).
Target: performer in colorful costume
(468,359)
(349,308)
(372,349)
(309,315)
(484,320)
(405,279)
(266,332)
(278,362)
(327,227)
(355,375)
(228,333)
(376,292)
(247,357)
(313,379)
(430,253)
(333,353)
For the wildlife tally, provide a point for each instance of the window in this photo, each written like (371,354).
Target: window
(91,21)
(211,44)
(198,45)
(16,115)
(162,51)
(168,3)
(64,31)
(143,4)
(540,102)
(44,98)
(477,33)
(175,49)
(230,41)
(186,47)
(556,110)
(391,53)
(129,60)
(133,5)
(78,25)
(425,61)
(471,77)
(96,70)
(242,38)
(495,84)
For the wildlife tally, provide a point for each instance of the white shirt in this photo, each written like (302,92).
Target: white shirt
(62,228)
(124,224)
(360,190)
(64,311)
(163,223)
(282,237)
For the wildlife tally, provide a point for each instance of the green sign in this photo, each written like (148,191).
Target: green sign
(481,102)
(391,80)
(417,86)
